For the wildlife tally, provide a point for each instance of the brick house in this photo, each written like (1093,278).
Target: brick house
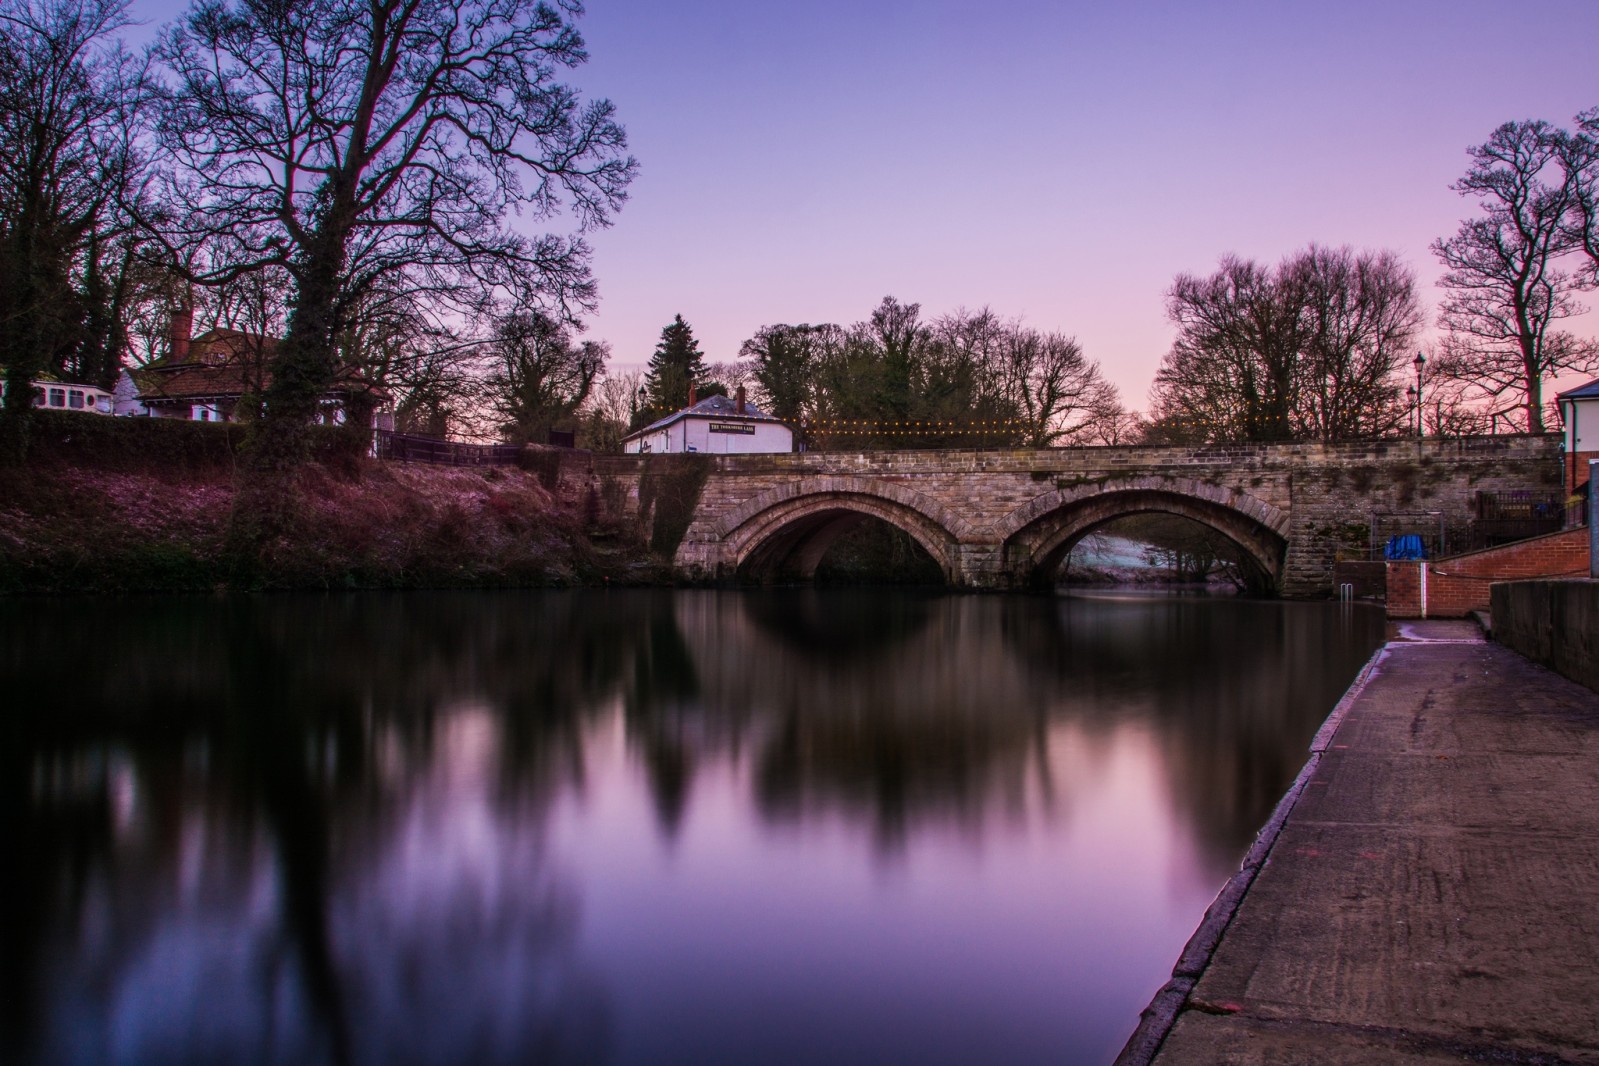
(204,379)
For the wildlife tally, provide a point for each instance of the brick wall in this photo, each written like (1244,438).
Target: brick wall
(1460,584)
(1577,469)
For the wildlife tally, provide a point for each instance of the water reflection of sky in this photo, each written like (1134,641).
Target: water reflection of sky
(632,827)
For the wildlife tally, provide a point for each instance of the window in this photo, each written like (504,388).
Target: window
(58,397)
(75,399)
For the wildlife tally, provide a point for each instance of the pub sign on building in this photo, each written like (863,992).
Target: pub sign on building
(716,425)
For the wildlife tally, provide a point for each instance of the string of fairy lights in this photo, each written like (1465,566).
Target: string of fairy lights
(915,427)
(888,427)
(902,427)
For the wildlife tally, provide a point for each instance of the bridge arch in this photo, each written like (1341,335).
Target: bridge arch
(1037,536)
(785,531)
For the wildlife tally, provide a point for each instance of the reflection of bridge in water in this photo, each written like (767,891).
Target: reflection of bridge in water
(1004,519)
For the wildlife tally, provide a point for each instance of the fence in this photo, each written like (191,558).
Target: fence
(405,448)
(1577,512)
(1502,517)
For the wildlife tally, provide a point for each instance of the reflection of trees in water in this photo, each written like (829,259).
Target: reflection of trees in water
(349,794)
(261,770)
(1236,688)
(905,735)
(947,719)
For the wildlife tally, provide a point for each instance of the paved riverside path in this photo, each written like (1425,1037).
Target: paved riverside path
(1433,893)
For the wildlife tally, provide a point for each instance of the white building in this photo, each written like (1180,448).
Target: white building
(716,425)
(67,396)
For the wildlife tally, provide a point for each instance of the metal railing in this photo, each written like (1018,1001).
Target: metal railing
(1576,512)
(407,448)
(1502,517)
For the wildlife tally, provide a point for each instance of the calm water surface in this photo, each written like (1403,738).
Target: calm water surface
(630,827)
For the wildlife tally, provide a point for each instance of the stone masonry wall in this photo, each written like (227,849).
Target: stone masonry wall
(1336,492)
(1327,492)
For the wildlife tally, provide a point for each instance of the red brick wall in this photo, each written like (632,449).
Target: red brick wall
(1577,469)
(1459,584)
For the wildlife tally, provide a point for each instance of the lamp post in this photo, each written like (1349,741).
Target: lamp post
(1420,363)
(1410,398)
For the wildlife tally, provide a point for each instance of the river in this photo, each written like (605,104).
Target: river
(630,827)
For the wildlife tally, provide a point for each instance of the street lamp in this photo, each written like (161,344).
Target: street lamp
(1420,363)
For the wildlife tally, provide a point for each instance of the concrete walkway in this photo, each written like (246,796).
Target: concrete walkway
(1428,892)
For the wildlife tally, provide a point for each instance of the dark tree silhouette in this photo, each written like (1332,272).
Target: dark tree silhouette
(676,364)
(783,362)
(1506,289)
(539,376)
(70,104)
(965,378)
(1306,350)
(376,147)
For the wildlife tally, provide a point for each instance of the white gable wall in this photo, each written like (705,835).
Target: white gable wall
(1582,424)
(715,436)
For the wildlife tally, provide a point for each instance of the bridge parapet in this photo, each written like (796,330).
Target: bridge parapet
(988,516)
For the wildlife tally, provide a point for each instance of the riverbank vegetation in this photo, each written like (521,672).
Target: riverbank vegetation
(144,505)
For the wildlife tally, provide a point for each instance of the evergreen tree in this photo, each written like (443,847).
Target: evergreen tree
(676,364)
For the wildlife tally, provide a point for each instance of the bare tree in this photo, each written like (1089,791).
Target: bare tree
(365,144)
(1503,275)
(604,419)
(1056,392)
(1306,350)
(1361,317)
(1452,405)
(1231,372)
(1578,155)
(432,395)
(1114,426)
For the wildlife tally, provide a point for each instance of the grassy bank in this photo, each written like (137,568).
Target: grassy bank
(140,505)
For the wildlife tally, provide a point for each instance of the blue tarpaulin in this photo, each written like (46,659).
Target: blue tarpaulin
(1406,546)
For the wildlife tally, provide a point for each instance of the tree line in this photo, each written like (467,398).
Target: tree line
(899,379)
(337,175)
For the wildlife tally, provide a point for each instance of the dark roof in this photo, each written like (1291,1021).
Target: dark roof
(1581,392)
(216,347)
(187,382)
(719,407)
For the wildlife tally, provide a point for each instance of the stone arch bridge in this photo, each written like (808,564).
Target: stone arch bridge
(1000,519)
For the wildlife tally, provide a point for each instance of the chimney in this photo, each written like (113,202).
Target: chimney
(738,399)
(693,393)
(182,329)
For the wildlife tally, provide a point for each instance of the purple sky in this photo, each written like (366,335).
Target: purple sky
(1055,161)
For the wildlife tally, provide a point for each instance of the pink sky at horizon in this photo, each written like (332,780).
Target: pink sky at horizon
(1058,162)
